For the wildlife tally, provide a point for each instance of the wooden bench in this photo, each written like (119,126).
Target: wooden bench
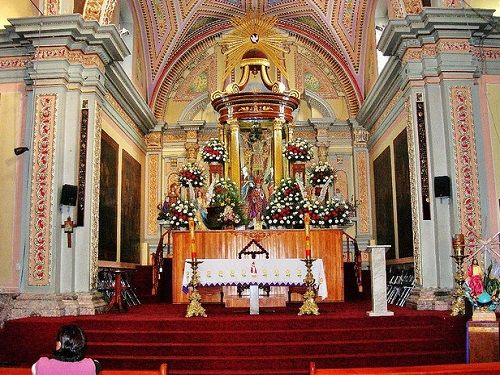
(27,371)
(456,369)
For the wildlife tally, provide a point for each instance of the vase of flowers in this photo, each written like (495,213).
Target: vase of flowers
(191,175)
(180,212)
(298,150)
(214,151)
(321,174)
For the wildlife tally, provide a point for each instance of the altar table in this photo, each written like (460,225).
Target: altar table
(326,244)
(260,272)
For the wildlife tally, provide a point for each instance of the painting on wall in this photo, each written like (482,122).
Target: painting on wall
(130,210)
(383,201)
(403,195)
(108,198)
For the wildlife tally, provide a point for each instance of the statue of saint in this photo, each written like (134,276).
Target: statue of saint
(474,279)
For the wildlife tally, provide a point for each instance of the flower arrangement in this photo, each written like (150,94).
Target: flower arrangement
(334,212)
(229,216)
(320,174)
(226,194)
(180,212)
(214,151)
(287,206)
(338,212)
(191,174)
(298,150)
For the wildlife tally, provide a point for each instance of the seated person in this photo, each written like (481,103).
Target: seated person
(68,357)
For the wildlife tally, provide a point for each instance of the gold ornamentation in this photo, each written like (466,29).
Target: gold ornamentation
(194,307)
(40,247)
(94,210)
(153,140)
(13,62)
(92,10)
(458,304)
(362,210)
(309,307)
(254,30)
(153,172)
(107,14)
(412,158)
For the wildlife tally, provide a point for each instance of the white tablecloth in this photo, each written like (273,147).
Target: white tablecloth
(273,272)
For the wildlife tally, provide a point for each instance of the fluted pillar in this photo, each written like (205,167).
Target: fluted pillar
(234,151)
(277,150)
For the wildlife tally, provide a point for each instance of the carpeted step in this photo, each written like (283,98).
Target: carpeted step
(283,347)
(253,335)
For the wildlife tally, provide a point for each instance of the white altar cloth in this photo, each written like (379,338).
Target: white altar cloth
(272,272)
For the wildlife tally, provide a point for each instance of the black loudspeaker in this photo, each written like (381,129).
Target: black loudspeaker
(68,195)
(442,186)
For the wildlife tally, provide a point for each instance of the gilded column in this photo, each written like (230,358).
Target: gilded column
(234,151)
(277,150)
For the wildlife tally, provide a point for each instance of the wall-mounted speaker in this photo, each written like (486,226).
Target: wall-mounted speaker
(442,186)
(69,195)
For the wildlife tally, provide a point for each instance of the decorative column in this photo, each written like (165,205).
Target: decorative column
(379,280)
(234,152)
(277,150)
(361,183)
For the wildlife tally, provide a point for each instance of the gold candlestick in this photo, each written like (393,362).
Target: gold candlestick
(309,307)
(194,307)
(458,304)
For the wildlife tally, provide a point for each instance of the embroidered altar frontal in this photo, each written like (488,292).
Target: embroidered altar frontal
(262,272)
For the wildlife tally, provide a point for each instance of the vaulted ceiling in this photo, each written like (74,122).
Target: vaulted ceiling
(178,31)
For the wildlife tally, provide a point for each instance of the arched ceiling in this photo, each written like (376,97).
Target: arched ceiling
(176,31)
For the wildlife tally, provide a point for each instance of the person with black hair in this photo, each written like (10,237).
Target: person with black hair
(68,357)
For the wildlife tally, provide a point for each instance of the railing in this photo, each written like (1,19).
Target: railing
(354,255)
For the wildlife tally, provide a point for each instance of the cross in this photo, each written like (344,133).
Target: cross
(68,226)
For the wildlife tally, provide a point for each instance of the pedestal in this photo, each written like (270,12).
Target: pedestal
(379,280)
(254,300)
(482,341)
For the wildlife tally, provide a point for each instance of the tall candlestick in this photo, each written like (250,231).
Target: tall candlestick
(307,222)
(193,243)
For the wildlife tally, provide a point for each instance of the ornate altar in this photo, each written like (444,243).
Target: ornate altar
(325,243)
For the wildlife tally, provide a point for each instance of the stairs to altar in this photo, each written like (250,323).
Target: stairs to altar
(230,342)
(240,344)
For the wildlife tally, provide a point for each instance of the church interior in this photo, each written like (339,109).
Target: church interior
(168,164)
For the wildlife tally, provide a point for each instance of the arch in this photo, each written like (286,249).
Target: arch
(316,101)
(196,105)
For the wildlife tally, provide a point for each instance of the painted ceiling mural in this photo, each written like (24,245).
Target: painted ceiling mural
(178,31)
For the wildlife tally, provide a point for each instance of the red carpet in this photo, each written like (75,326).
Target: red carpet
(231,342)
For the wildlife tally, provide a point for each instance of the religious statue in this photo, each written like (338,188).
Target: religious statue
(474,278)
(256,201)
(173,194)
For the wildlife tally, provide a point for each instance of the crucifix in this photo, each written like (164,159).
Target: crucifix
(68,226)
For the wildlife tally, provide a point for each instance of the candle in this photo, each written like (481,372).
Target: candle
(458,244)
(307,222)
(193,243)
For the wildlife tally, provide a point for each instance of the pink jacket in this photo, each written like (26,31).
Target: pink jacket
(46,366)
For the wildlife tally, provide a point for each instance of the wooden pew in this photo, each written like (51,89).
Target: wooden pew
(27,371)
(452,369)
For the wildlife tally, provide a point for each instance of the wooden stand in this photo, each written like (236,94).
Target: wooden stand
(117,299)
(482,341)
